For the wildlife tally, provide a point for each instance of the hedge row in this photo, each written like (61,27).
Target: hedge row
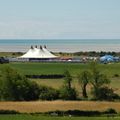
(54,76)
(81,113)
(69,112)
(9,112)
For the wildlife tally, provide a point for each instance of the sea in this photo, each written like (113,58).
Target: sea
(61,45)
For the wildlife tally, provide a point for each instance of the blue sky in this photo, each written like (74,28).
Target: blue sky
(61,19)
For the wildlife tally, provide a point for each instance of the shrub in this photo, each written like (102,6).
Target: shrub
(81,113)
(116,75)
(110,111)
(9,112)
(67,93)
(105,93)
(16,87)
(52,76)
(47,93)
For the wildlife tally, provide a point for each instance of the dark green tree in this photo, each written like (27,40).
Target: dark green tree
(83,80)
(15,86)
(98,79)
(106,93)
(67,79)
(67,92)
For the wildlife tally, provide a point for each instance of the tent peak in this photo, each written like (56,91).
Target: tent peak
(41,47)
(35,46)
(31,47)
(45,46)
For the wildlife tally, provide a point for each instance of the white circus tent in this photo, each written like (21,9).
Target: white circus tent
(38,53)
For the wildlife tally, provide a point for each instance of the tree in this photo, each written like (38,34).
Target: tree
(48,93)
(15,86)
(106,93)
(67,79)
(83,80)
(98,79)
(67,92)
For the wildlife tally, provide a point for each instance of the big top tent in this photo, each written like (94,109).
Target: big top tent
(38,53)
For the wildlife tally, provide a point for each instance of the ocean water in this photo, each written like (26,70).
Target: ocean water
(61,45)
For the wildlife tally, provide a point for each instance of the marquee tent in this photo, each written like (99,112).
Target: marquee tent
(38,53)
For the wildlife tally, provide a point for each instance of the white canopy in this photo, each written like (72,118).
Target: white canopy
(41,52)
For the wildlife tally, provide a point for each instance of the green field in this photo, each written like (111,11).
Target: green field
(40,117)
(58,68)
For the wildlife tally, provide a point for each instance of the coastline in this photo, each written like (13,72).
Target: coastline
(70,48)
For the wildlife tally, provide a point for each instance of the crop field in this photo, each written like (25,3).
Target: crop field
(45,106)
(40,117)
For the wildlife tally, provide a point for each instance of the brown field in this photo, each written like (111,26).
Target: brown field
(44,106)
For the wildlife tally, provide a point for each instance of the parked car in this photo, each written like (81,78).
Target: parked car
(3,60)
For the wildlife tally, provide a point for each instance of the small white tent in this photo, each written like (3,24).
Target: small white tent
(38,53)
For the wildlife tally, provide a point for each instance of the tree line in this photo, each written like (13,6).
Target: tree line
(91,53)
(16,87)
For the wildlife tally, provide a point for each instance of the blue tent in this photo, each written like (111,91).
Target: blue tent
(107,58)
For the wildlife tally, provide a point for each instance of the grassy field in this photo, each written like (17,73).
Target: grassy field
(45,106)
(57,83)
(40,117)
(58,68)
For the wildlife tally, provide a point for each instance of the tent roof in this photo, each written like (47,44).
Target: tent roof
(35,52)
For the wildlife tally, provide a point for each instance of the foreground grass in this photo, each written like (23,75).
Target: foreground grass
(40,117)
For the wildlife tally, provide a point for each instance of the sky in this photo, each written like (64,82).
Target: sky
(59,19)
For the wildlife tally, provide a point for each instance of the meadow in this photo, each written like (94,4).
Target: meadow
(59,68)
(111,70)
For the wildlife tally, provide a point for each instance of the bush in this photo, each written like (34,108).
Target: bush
(47,93)
(67,93)
(16,87)
(53,76)
(116,75)
(105,93)
(82,113)
(9,112)
(110,111)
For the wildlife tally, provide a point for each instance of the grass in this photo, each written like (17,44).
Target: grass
(43,106)
(58,68)
(57,83)
(40,117)
(54,83)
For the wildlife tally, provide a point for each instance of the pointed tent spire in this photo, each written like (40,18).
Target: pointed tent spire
(35,46)
(45,46)
(40,47)
(31,47)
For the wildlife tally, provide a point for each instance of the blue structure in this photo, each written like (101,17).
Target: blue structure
(108,58)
